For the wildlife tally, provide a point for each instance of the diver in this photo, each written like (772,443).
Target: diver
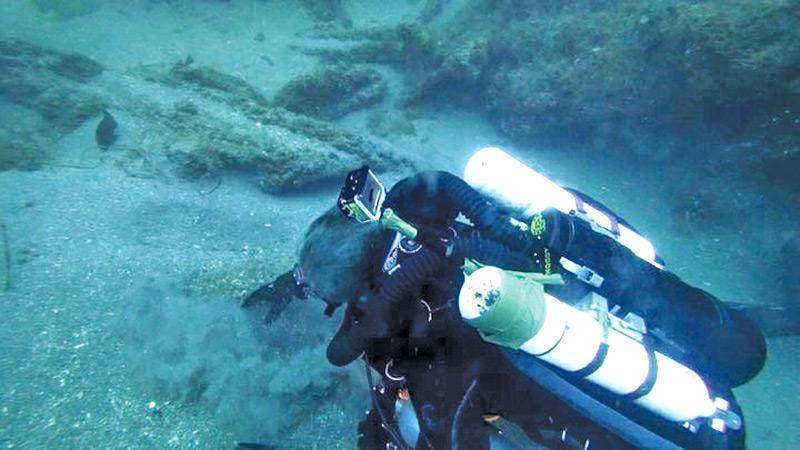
(399,273)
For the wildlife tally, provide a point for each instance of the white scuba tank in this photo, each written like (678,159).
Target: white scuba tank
(512,311)
(525,192)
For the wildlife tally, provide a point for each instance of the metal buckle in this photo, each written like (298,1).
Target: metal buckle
(582,273)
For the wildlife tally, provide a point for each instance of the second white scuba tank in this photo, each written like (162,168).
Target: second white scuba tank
(525,192)
(511,309)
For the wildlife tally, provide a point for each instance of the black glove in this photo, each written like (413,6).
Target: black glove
(275,296)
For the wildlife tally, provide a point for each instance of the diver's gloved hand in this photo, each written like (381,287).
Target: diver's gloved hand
(281,287)
(275,296)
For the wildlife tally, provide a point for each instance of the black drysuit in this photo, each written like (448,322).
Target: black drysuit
(407,324)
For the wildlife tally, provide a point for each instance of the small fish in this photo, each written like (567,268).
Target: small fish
(106,132)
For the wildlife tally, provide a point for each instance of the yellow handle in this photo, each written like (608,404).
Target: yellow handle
(394,222)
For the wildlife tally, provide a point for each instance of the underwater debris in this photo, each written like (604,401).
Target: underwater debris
(332,92)
(210,190)
(106,132)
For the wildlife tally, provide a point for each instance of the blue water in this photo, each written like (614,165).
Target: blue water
(121,325)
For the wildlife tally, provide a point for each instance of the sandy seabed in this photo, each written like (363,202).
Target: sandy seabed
(121,326)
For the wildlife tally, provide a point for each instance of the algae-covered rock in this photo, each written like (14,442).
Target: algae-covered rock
(218,85)
(327,11)
(202,119)
(19,56)
(66,9)
(624,74)
(22,150)
(52,83)
(389,123)
(23,144)
(635,68)
(332,92)
(408,46)
(228,125)
(284,159)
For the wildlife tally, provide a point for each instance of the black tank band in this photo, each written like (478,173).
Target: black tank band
(560,338)
(649,380)
(598,360)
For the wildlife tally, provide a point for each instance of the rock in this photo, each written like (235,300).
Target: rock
(332,92)
(23,144)
(287,151)
(224,87)
(188,117)
(52,83)
(624,76)
(410,47)
(230,126)
(23,56)
(327,11)
(389,123)
(61,10)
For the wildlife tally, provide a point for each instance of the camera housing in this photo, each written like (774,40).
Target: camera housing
(362,196)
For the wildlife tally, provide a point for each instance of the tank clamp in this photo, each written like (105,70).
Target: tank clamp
(721,421)
(596,305)
(582,273)
(724,418)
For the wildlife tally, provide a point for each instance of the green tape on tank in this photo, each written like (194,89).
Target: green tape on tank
(518,312)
